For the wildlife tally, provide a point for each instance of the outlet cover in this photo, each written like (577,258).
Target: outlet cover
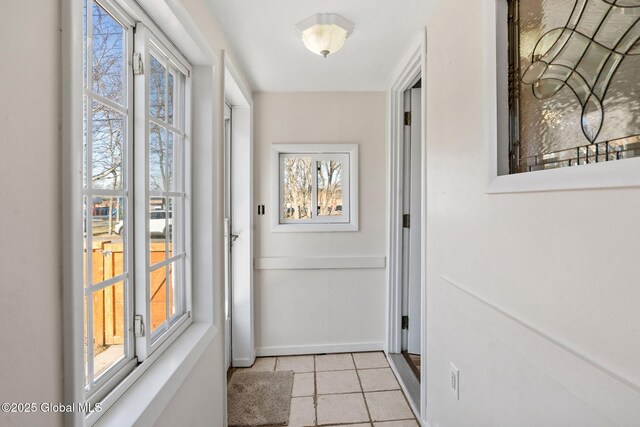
(454,380)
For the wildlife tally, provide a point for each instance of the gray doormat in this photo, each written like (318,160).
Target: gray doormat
(259,398)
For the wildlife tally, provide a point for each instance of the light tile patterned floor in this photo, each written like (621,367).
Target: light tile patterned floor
(355,389)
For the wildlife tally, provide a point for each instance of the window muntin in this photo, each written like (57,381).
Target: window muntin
(114,290)
(571,73)
(106,153)
(314,188)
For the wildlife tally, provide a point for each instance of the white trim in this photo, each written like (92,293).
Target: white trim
(351,182)
(177,23)
(119,388)
(313,227)
(319,349)
(613,174)
(406,75)
(237,92)
(583,357)
(424,286)
(138,13)
(405,389)
(243,362)
(412,66)
(71,245)
(319,263)
(154,384)
(242,309)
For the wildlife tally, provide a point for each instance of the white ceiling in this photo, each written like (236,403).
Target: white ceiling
(274,59)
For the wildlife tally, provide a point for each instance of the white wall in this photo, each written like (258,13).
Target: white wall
(198,402)
(535,297)
(334,309)
(30,222)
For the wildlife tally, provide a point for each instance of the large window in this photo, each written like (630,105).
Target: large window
(573,82)
(136,241)
(316,187)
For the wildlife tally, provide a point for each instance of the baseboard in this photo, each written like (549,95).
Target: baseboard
(403,386)
(319,349)
(242,363)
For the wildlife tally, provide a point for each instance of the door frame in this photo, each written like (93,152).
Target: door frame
(239,97)
(412,67)
(412,236)
(228,241)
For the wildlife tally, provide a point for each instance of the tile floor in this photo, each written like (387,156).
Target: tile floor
(358,389)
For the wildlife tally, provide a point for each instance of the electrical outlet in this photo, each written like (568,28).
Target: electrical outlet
(454,380)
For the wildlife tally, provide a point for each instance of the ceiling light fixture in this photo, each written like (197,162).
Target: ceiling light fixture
(324,33)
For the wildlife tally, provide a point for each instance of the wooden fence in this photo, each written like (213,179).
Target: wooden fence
(109,303)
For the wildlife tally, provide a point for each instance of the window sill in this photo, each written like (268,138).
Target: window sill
(143,400)
(615,174)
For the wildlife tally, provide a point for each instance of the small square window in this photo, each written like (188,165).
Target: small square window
(315,187)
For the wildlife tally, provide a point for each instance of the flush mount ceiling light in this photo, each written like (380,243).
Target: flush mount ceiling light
(324,33)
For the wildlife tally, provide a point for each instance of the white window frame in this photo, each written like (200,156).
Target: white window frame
(347,153)
(147,42)
(122,376)
(96,390)
(616,174)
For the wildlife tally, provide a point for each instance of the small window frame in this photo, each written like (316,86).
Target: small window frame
(318,152)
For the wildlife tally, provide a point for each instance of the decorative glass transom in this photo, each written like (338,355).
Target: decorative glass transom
(574,89)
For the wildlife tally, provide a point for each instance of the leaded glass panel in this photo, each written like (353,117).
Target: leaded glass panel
(574,82)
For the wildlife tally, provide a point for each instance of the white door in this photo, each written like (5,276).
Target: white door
(228,236)
(412,206)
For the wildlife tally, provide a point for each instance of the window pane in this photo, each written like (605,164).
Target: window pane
(175,236)
(85,240)
(158,296)
(176,159)
(108,52)
(108,147)
(329,188)
(85,152)
(297,187)
(170,161)
(157,88)
(85,344)
(107,248)
(173,283)
(108,327)
(157,229)
(157,158)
